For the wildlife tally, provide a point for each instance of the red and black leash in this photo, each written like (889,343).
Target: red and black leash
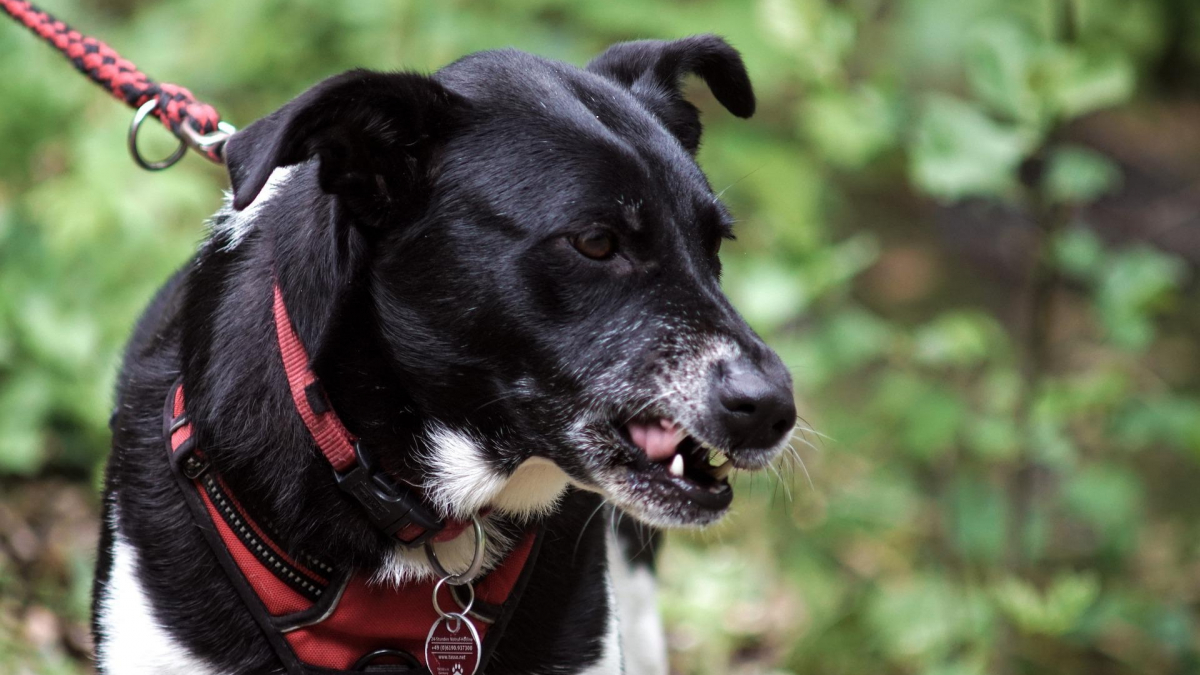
(196,124)
(396,510)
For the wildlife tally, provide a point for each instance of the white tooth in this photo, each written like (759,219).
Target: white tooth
(677,466)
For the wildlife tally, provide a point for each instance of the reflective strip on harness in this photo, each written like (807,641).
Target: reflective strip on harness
(275,594)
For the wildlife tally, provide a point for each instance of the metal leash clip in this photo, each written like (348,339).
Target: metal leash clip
(202,143)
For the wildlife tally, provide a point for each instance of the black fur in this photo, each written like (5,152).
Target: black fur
(422,245)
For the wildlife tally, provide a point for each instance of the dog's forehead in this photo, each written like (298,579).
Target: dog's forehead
(585,137)
(509,87)
(513,79)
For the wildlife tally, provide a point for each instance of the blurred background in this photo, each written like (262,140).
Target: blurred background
(972,228)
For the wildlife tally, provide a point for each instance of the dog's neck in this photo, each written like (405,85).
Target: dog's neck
(239,398)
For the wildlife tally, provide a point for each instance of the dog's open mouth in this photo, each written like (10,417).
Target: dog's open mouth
(669,459)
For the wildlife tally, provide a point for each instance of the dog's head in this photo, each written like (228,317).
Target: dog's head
(539,252)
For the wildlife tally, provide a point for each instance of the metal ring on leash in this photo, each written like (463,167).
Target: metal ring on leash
(139,117)
(437,607)
(472,571)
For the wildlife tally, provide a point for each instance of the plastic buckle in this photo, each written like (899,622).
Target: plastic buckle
(389,506)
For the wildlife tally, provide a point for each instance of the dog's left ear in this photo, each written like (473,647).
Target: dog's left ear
(372,133)
(653,71)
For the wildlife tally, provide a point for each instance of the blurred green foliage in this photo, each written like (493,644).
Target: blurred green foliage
(1000,467)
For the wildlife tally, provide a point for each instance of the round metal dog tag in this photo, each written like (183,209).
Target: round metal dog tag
(452,647)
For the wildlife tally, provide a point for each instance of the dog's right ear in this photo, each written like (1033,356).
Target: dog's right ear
(371,132)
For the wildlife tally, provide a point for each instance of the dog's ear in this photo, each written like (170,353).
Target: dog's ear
(653,71)
(371,132)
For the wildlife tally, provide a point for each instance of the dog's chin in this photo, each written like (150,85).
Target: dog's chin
(662,502)
(689,490)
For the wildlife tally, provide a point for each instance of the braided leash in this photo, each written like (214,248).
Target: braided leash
(196,124)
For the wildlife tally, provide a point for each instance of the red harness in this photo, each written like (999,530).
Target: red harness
(318,618)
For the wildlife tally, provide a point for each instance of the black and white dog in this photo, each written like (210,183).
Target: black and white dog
(506,277)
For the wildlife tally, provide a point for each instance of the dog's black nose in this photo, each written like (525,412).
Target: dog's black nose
(754,405)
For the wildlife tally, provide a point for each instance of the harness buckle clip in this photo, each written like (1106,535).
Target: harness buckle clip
(391,507)
(194,467)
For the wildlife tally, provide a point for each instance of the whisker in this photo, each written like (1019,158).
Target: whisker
(649,403)
(789,465)
(738,181)
(499,398)
(792,450)
(583,529)
(804,441)
(787,491)
(646,541)
(807,428)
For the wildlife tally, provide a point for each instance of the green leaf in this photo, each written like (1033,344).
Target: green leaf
(958,151)
(850,128)
(977,512)
(929,415)
(877,502)
(26,398)
(1173,421)
(1134,286)
(854,337)
(1076,175)
(831,268)
(1054,612)
(958,339)
(1107,498)
(976,666)
(769,294)
(999,64)
(922,620)
(993,437)
(1051,443)
(1079,253)
(1085,81)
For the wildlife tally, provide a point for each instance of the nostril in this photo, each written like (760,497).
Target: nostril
(781,426)
(744,408)
(740,395)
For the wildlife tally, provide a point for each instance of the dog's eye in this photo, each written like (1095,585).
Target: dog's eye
(595,244)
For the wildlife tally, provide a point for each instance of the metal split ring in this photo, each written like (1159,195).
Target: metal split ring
(139,117)
(437,607)
(472,571)
(189,139)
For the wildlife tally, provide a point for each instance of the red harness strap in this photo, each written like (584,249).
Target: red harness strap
(104,66)
(316,617)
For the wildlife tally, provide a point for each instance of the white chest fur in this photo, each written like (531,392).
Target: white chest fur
(134,642)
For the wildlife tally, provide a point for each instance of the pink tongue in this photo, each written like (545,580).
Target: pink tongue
(659,439)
